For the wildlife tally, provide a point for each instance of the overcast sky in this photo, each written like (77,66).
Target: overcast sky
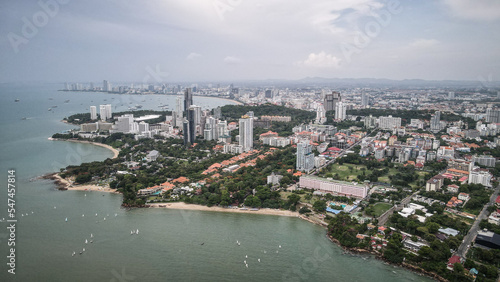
(205,40)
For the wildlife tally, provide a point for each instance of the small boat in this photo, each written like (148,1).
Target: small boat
(50,109)
(81,252)
(91,235)
(91,241)
(17,100)
(73,254)
(279,246)
(54,207)
(202,244)
(137,232)
(66,101)
(104,218)
(131,232)
(116,214)
(86,241)
(246,256)
(66,219)
(84,249)
(95,214)
(245,261)
(258,260)
(24,118)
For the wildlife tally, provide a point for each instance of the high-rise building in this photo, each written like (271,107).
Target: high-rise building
(269,93)
(103,112)
(451,95)
(436,121)
(189,127)
(305,157)
(365,99)
(218,113)
(109,112)
(328,102)
(188,99)
(210,132)
(93,112)
(106,87)
(246,133)
(492,115)
(340,111)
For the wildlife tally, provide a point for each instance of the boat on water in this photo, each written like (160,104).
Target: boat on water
(86,241)
(50,109)
(17,100)
(66,219)
(73,254)
(137,232)
(66,101)
(91,235)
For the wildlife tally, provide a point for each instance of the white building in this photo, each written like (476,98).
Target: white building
(305,157)
(389,123)
(246,133)
(340,111)
(93,112)
(480,176)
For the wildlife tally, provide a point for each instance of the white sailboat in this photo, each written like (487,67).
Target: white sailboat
(131,232)
(258,260)
(73,254)
(91,235)
(84,249)
(66,219)
(137,232)
(86,241)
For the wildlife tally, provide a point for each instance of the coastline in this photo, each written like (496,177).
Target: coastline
(184,206)
(63,184)
(115,151)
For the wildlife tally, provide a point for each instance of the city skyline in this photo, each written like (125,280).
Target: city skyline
(159,42)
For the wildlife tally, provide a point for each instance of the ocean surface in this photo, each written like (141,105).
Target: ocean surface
(171,245)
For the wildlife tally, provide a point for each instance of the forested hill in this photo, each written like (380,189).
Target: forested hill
(234,112)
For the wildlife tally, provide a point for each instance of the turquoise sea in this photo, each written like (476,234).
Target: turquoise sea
(172,245)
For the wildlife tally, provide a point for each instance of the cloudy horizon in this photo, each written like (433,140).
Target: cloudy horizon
(195,40)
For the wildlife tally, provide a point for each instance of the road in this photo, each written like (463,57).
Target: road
(385,216)
(464,247)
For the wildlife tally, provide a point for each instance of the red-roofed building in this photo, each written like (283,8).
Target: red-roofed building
(497,201)
(181,179)
(453,260)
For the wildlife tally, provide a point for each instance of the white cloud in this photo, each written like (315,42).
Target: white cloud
(320,60)
(475,9)
(232,60)
(423,43)
(193,56)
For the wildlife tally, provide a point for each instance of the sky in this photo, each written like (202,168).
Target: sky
(161,41)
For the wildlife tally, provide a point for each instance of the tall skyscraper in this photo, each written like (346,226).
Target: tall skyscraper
(305,157)
(102,112)
(210,132)
(451,95)
(269,93)
(109,112)
(492,115)
(188,99)
(106,86)
(189,127)
(436,121)
(331,100)
(93,112)
(365,99)
(340,111)
(328,102)
(246,133)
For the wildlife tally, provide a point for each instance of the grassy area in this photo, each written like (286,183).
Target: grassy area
(380,208)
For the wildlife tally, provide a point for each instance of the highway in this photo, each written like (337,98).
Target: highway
(464,247)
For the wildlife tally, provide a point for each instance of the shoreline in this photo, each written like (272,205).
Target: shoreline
(184,206)
(63,184)
(115,151)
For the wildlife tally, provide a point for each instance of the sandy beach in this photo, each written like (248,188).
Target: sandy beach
(184,206)
(115,151)
(63,184)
